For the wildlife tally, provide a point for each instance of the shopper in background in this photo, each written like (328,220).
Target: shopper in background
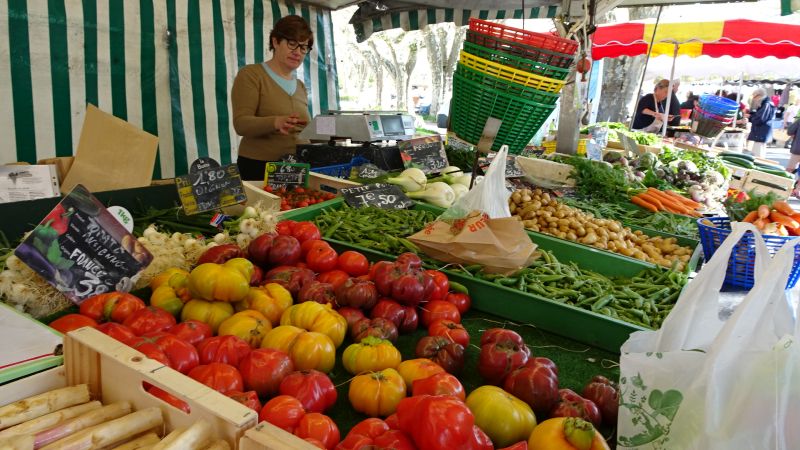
(790,116)
(270,105)
(675,105)
(761,116)
(690,99)
(741,112)
(650,113)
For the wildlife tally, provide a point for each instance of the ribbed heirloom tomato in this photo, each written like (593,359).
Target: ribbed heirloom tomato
(439,384)
(505,418)
(314,389)
(181,354)
(70,322)
(225,349)
(451,330)
(283,411)
(111,306)
(308,349)
(249,399)
(354,263)
(320,427)
(264,369)
(191,331)
(417,369)
(439,310)
(221,377)
(117,331)
(377,393)
(149,320)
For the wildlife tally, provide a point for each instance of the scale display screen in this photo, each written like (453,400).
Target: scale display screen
(392,125)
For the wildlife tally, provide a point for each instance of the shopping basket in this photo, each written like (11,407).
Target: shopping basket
(718,105)
(473,103)
(517,62)
(341,170)
(708,124)
(515,89)
(510,74)
(714,230)
(540,40)
(555,59)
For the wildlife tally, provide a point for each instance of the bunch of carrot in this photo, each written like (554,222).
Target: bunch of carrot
(670,201)
(780,220)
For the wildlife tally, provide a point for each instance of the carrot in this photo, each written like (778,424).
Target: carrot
(750,217)
(671,204)
(686,201)
(783,219)
(760,223)
(652,200)
(783,207)
(763,211)
(795,216)
(643,203)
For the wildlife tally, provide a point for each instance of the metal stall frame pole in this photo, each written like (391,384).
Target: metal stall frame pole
(641,81)
(669,91)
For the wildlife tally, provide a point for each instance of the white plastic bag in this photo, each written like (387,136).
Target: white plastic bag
(490,196)
(666,374)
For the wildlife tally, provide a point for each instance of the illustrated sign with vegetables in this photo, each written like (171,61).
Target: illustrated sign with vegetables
(426,153)
(82,250)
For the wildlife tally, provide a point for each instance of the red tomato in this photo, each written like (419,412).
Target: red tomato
(263,370)
(318,426)
(306,246)
(334,277)
(283,411)
(395,440)
(225,349)
(451,330)
(372,427)
(149,320)
(314,389)
(117,331)
(315,442)
(304,231)
(111,306)
(249,399)
(149,349)
(392,422)
(521,445)
(168,398)
(480,440)
(439,384)
(461,300)
(405,318)
(441,284)
(502,351)
(354,263)
(221,377)
(355,442)
(352,315)
(70,322)
(284,227)
(191,331)
(182,355)
(321,259)
(439,310)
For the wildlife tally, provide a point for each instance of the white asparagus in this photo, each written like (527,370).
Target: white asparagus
(41,404)
(170,438)
(195,437)
(17,442)
(49,420)
(113,432)
(146,440)
(218,445)
(82,422)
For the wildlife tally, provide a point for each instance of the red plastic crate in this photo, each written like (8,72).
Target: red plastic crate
(532,38)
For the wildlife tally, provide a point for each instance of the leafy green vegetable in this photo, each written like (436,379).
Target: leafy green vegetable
(703,162)
(616,128)
(738,210)
(459,157)
(600,181)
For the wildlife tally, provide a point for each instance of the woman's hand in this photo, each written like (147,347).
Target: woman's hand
(284,124)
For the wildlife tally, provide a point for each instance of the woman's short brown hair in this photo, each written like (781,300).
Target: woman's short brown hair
(663,84)
(291,27)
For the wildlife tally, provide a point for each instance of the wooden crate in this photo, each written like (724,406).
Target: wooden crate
(542,169)
(327,183)
(738,176)
(764,182)
(266,436)
(116,372)
(255,194)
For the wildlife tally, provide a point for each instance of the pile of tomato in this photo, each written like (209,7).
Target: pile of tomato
(262,325)
(299,197)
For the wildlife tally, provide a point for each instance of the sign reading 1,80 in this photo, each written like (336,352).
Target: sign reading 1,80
(208,176)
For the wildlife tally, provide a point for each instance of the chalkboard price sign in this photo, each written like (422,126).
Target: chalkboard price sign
(286,174)
(209,186)
(379,195)
(82,249)
(512,170)
(426,153)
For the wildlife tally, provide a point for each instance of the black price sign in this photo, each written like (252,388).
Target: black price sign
(287,174)
(209,186)
(426,153)
(512,170)
(82,249)
(379,195)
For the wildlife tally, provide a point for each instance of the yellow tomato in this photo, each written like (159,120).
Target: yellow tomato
(212,313)
(313,316)
(370,355)
(271,300)
(170,295)
(249,325)
(417,369)
(566,433)
(377,394)
(503,417)
(229,282)
(308,349)
(164,277)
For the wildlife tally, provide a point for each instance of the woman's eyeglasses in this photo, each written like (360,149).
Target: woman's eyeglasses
(294,45)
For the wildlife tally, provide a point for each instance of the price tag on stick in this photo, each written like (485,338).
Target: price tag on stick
(82,249)
(209,186)
(380,195)
(426,153)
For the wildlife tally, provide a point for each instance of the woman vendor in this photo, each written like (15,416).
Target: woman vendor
(650,112)
(270,105)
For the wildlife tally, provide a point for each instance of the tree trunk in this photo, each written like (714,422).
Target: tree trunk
(408,69)
(621,78)
(451,60)
(373,60)
(435,63)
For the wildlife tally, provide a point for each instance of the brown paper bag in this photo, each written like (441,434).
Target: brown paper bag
(112,154)
(500,245)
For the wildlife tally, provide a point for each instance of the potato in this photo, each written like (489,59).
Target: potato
(516,197)
(545,196)
(580,231)
(563,222)
(589,239)
(625,251)
(614,226)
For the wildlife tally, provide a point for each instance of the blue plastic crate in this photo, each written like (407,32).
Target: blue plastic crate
(742,261)
(341,170)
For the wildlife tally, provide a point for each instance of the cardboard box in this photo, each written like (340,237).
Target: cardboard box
(116,372)
(764,182)
(62,163)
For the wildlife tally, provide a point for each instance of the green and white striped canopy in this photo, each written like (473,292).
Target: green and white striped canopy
(166,66)
(416,19)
